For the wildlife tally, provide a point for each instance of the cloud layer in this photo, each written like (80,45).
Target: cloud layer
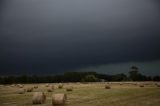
(38,36)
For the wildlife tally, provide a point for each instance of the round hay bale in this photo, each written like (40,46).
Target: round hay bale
(29,89)
(21,91)
(49,90)
(107,87)
(20,85)
(69,89)
(59,99)
(36,86)
(47,85)
(120,83)
(38,98)
(158,85)
(60,86)
(13,85)
(141,85)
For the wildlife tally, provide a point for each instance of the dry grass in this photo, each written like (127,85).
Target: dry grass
(91,94)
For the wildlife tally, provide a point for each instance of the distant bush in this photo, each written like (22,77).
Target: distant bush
(90,78)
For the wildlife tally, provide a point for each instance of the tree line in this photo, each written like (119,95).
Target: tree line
(134,75)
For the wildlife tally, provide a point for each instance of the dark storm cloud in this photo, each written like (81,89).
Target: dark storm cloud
(38,36)
(147,68)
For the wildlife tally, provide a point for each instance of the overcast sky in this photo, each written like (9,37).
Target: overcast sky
(55,36)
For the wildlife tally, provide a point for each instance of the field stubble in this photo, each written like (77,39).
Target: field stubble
(89,94)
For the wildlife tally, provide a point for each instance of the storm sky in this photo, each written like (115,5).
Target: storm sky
(55,36)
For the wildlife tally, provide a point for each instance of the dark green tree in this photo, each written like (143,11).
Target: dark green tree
(90,78)
(134,75)
(119,77)
(156,78)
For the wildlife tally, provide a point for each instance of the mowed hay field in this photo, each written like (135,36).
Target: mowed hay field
(89,94)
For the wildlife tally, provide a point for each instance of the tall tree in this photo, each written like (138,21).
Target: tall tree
(134,74)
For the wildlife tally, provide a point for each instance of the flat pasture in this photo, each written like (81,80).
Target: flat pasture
(86,94)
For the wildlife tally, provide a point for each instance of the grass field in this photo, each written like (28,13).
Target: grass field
(91,94)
